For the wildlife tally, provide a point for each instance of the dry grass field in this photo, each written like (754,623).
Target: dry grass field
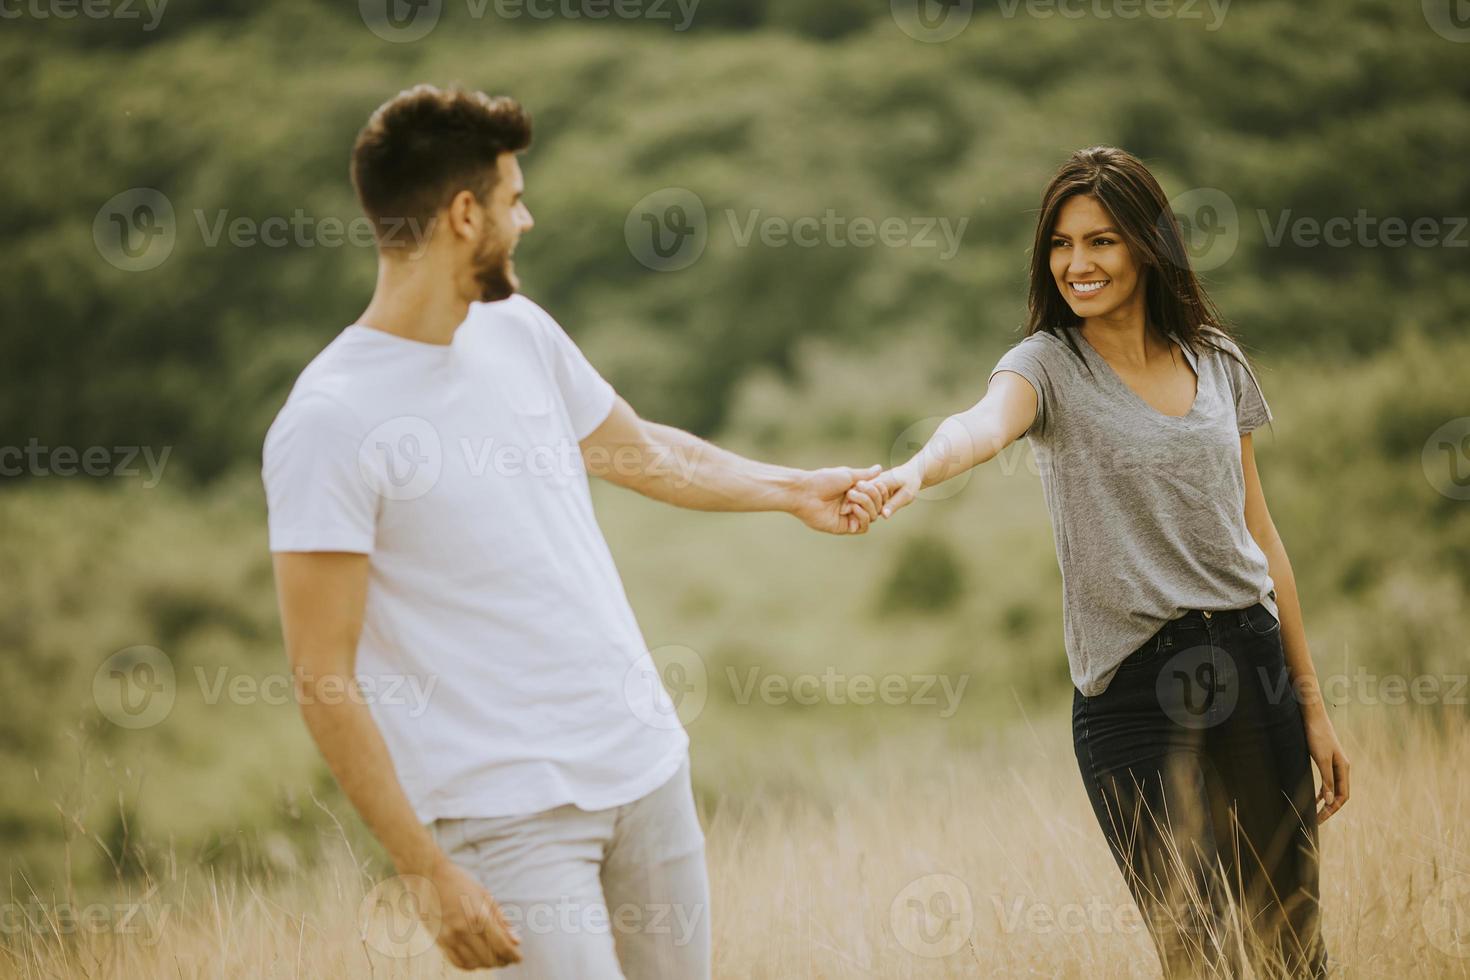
(914,859)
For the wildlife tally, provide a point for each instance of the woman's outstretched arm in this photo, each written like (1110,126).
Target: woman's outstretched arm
(962,441)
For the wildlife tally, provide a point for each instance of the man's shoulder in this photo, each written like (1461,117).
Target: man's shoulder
(515,311)
(328,389)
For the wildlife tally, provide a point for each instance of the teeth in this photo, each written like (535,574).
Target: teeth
(1089,287)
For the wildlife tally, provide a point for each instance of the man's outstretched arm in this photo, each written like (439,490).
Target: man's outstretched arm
(676,467)
(321,595)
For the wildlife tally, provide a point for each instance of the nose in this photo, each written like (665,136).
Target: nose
(1080,263)
(527,222)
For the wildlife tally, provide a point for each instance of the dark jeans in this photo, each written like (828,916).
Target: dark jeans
(1195,760)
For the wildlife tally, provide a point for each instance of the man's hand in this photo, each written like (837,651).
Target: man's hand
(472,929)
(887,493)
(822,500)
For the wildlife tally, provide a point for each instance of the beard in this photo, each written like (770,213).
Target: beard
(495,272)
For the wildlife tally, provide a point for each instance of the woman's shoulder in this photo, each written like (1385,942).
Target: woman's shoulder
(1218,339)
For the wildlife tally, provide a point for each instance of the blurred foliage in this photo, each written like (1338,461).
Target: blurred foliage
(810,356)
(927,578)
(1307,110)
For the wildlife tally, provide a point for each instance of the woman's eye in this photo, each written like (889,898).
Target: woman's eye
(1059,243)
(1102,241)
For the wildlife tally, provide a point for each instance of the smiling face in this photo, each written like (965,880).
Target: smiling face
(1091,264)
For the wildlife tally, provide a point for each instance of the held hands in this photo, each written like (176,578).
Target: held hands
(887,493)
(821,500)
(844,500)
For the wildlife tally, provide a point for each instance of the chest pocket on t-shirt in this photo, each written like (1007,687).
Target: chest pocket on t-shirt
(550,457)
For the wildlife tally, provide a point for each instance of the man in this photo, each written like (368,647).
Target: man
(431,522)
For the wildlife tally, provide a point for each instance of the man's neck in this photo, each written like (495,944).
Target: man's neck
(414,301)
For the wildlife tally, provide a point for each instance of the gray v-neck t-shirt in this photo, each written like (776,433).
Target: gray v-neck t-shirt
(1147,509)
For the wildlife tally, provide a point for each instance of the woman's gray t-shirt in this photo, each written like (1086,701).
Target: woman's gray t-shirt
(1148,510)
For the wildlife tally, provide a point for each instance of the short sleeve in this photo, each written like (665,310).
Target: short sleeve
(317,495)
(1026,359)
(587,395)
(1251,410)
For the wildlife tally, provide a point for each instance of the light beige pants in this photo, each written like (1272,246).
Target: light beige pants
(596,895)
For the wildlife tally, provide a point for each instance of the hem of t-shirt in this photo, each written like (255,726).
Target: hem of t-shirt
(608,397)
(1035,384)
(481,805)
(310,542)
(1246,428)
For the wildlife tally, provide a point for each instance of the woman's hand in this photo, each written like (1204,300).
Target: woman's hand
(889,491)
(1332,763)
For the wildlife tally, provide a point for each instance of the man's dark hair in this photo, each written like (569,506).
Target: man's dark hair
(425,145)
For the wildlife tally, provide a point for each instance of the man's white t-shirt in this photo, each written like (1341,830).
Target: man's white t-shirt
(498,652)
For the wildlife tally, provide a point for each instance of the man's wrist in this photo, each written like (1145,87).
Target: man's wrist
(790,489)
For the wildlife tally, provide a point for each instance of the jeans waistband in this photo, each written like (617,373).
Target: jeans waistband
(1200,617)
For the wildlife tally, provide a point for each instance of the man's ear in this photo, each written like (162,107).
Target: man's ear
(464,215)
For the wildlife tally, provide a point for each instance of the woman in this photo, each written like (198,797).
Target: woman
(1196,706)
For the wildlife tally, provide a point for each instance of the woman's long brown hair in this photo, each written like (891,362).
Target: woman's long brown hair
(1174,300)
